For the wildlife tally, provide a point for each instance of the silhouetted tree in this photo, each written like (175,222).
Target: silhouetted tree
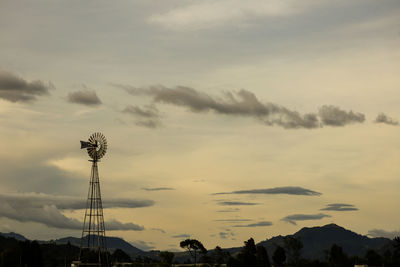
(120,256)
(262,257)
(279,256)
(219,256)
(193,245)
(336,256)
(293,247)
(166,257)
(373,258)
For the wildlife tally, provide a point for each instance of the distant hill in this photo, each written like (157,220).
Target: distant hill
(112,244)
(14,235)
(317,239)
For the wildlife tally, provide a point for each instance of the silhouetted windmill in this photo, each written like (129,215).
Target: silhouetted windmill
(93,250)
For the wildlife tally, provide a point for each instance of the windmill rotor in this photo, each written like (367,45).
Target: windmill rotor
(96,146)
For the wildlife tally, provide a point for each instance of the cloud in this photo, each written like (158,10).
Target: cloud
(158,229)
(245,103)
(16,89)
(303,217)
(383,233)
(227,234)
(229,210)
(181,236)
(208,13)
(236,203)
(148,116)
(84,97)
(47,210)
(232,220)
(143,245)
(116,225)
(258,224)
(333,116)
(288,190)
(67,202)
(157,188)
(340,207)
(383,118)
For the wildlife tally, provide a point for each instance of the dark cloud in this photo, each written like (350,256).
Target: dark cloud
(245,103)
(229,210)
(236,203)
(66,202)
(383,118)
(16,89)
(181,236)
(47,209)
(289,190)
(148,116)
(84,97)
(116,225)
(143,245)
(383,233)
(303,217)
(258,224)
(333,116)
(157,188)
(340,207)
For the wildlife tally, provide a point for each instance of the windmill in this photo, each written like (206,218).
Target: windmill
(93,250)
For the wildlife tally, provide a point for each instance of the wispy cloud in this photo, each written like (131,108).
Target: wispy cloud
(232,220)
(340,207)
(158,188)
(258,224)
(159,230)
(207,13)
(181,236)
(236,203)
(229,210)
(246,103)
(303,217)
(147,116)
(227,234)
(383,233)
(383,118)
(84,97)
(16,89)
(288,190)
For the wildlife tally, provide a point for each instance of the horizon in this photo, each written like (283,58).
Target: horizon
(224,119)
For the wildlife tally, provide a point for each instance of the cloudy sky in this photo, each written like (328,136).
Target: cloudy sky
(225,119)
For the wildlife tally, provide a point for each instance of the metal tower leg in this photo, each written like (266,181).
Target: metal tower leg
(93,250)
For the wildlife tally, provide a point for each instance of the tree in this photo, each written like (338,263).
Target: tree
(166,257)
(262,257)
(279,256)
(193,245)
(373,258)
(336,256)
(120,256)
(293,246)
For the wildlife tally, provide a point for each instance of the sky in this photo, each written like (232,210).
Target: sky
(225,119)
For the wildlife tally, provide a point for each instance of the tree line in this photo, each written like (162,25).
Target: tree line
(32,254)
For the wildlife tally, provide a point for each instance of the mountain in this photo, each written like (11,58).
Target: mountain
(14,235)
(316,240)
(112,244)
